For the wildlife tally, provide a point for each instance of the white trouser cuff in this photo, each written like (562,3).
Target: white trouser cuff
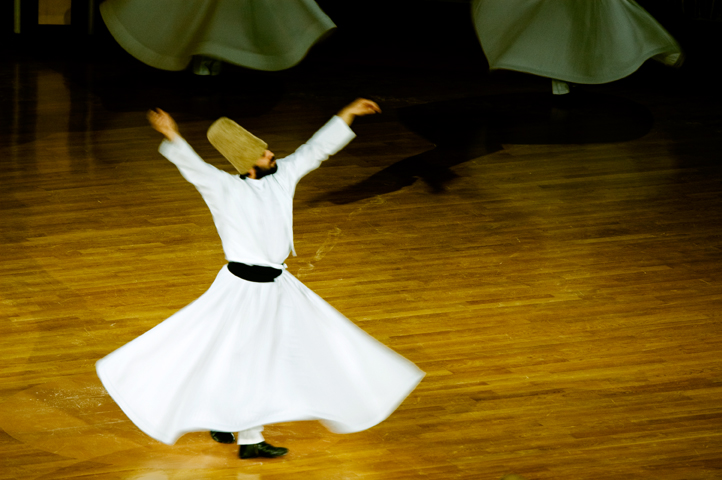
(250,436)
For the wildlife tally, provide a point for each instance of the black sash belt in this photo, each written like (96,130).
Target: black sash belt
(254,273)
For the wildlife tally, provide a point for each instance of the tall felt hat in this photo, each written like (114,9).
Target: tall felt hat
(238,145)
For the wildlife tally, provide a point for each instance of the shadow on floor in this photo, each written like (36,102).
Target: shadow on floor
(469,128)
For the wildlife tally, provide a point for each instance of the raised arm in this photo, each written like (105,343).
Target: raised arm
(205,177)
(358,108)
(332,137)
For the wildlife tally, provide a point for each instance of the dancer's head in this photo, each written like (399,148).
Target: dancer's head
(266,165)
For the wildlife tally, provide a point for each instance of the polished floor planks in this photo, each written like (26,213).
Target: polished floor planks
(563,298)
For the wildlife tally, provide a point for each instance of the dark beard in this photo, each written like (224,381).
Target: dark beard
(262,172)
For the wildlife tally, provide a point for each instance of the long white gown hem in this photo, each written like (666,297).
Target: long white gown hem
(166,35)
(618,74)
(578,41)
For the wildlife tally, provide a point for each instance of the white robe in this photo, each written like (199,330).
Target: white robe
(247,354)
(260,34)
(580,41)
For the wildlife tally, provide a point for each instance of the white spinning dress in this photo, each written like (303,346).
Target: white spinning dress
(247,354)
(580,41)
(260,34)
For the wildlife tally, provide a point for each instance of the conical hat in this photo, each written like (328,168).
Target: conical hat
(238,145)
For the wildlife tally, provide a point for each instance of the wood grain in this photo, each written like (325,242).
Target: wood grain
(564,299)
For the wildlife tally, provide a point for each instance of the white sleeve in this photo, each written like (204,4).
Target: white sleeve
(329,140)
(207,179)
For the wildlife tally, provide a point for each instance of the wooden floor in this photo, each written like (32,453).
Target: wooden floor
(555,268)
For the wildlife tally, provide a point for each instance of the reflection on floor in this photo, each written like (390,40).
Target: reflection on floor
(74,417)
(552,264)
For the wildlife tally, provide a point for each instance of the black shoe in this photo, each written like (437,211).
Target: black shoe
(261,450)
(223,437)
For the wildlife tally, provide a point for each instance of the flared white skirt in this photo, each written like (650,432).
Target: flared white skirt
(248,354)
(258,34)
(580,41)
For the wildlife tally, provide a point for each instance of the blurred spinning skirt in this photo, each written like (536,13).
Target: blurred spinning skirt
(259,34)
(580,41)
(247,354)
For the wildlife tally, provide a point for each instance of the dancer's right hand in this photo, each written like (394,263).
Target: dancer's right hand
(164,123)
